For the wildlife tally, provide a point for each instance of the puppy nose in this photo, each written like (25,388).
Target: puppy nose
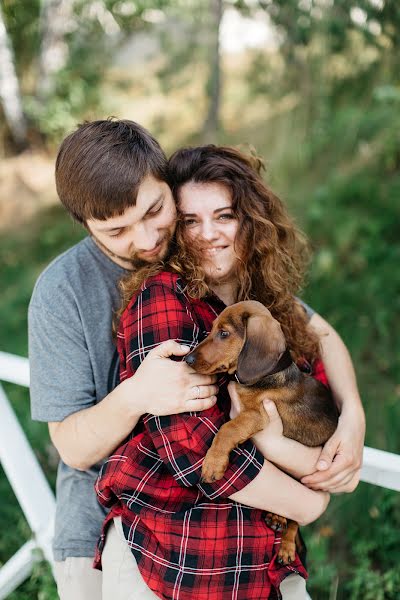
(190,359)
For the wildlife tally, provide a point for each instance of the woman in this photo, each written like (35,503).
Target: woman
(191,539)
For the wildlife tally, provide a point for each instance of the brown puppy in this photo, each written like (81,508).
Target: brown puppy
(246,341)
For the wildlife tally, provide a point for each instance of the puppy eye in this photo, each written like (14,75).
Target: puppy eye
(223,333)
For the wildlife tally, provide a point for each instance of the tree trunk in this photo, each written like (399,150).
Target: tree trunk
(55,18)
(212,122)
(10,96)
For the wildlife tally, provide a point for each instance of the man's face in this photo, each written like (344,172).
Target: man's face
(143,232)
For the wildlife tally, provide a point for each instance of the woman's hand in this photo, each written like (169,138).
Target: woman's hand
(339,464)
(287,454)
(268,440)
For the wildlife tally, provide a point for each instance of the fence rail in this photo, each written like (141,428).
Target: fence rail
(36,499)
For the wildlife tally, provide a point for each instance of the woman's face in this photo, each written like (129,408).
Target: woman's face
(208,218)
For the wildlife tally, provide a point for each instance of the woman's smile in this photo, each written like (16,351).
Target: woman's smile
(209,221)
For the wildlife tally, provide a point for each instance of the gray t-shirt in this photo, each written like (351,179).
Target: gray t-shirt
(74,364)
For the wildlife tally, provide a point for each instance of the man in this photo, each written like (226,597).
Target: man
(111,177)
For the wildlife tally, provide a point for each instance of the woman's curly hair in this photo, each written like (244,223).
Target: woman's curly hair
(273,253)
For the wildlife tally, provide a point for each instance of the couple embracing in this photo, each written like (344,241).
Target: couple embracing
(182,239)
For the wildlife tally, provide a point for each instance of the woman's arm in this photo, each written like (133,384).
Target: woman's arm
(339,464)
(276,492)
(289,455)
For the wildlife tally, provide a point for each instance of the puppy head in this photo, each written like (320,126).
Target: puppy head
(263,346)
(244,338)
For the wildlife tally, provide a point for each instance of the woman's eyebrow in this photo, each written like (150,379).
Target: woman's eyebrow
(223,208)
(217,210)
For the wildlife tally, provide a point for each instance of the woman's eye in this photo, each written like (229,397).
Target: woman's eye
(226,216)
(189,222)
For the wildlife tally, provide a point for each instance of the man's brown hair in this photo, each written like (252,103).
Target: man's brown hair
(101,165)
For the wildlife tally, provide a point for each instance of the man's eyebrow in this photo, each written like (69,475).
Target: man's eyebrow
(108,229)
(217,210)
(116,227)
(156,201)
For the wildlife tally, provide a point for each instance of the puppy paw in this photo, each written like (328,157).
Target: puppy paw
(287,553)
(276,522)
(213,468)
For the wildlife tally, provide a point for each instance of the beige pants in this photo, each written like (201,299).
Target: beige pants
(121,576)
(77,580)
(293,588)
(122,579)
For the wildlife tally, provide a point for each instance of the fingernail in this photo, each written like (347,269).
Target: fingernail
(184,347)
(322,465)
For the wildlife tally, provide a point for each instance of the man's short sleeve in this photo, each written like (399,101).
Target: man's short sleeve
(61,373)
(308,310)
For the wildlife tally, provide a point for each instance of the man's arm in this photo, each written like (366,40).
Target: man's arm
(160,387)
(63,393)
(340,460)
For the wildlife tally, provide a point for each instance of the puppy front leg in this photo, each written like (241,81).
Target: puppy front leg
(230,435)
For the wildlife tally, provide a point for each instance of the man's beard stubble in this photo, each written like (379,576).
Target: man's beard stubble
(134,261)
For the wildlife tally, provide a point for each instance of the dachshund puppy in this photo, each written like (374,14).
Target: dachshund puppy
(248,343)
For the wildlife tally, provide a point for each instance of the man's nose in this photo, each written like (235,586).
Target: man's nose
(144,238)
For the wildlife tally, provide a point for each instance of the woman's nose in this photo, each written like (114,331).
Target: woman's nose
(209,231)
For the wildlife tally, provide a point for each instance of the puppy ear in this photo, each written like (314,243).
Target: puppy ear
(264,345)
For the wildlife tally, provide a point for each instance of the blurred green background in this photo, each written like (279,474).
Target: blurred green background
(314,86)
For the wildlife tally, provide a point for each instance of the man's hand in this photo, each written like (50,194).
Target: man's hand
(339,464)
(168,387)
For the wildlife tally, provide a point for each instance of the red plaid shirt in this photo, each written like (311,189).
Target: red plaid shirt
(190,541)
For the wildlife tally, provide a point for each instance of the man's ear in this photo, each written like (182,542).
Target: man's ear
(264,345)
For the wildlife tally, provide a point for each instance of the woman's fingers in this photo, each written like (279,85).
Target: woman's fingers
(198,405)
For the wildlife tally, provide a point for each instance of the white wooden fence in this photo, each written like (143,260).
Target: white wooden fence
(37,500)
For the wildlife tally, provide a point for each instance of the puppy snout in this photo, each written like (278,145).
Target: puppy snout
(190,359)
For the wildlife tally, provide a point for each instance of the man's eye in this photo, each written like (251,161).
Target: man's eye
(155,211)
(223,334)
(116,233)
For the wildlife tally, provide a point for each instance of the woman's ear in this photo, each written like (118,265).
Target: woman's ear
(264,345)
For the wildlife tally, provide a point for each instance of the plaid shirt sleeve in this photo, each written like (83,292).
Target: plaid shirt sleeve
(157,314)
